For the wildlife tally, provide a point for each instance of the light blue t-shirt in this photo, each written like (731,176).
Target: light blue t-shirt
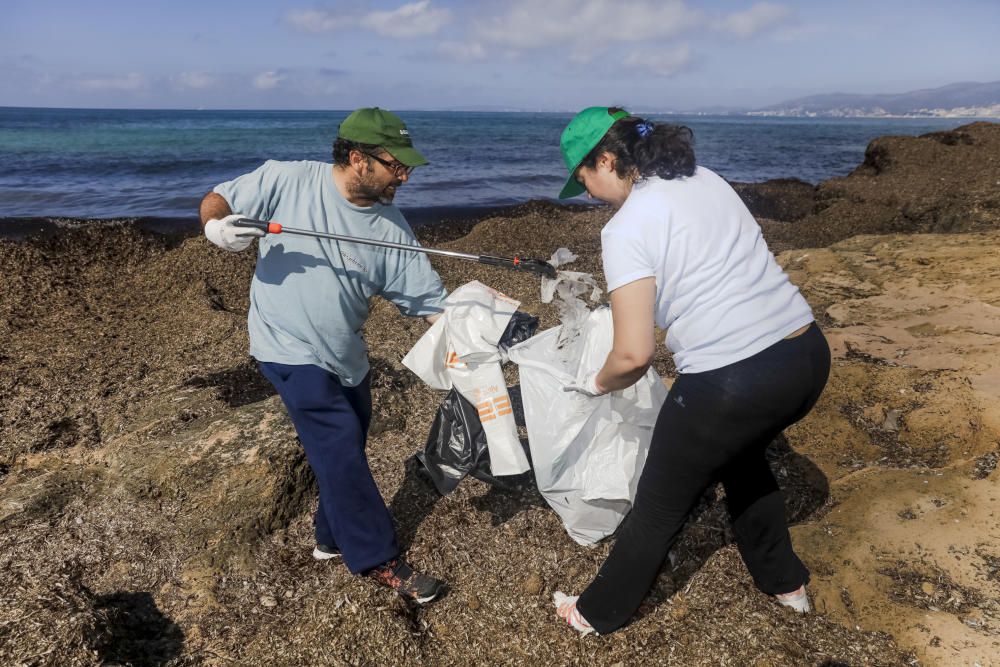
(309,297)
(720,294)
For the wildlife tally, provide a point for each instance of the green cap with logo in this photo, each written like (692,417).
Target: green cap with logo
(580,137)
(382,128)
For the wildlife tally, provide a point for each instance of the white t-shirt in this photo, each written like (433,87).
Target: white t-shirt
(719,293)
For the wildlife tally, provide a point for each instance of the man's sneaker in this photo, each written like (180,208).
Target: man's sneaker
(325,552)
(403,579)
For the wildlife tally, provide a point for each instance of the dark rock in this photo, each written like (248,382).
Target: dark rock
(783,199)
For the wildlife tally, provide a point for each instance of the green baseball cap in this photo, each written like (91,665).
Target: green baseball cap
(580,137)
(382,128)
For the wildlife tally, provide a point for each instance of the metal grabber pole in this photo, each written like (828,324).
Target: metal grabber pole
(538,266)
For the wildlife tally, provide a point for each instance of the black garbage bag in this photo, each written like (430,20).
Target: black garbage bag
(521,327)
(456,445)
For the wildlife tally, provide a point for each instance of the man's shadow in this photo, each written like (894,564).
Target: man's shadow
(131,630)
(414,500)
(240,385)
(505,498)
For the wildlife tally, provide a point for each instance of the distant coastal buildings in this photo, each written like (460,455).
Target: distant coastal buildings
(956,100)
(991,111)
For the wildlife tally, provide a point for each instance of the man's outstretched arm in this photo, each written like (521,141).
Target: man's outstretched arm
(213,206)
(217,221)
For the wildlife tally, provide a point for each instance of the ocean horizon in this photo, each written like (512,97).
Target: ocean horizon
(158,163)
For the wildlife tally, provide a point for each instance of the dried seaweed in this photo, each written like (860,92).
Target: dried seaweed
(155,508)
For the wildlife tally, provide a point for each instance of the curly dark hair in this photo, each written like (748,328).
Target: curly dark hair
(643,149)
(342,151)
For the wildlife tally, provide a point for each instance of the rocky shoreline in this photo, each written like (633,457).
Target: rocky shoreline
(155,508)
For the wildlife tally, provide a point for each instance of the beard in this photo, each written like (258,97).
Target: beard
(387,195)
(367,187)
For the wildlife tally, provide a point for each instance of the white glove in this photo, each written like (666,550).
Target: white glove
(228,236)
(587,386)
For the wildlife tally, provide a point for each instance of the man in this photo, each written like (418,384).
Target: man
(308,303)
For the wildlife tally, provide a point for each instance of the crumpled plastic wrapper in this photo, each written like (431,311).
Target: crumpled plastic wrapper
(567,288)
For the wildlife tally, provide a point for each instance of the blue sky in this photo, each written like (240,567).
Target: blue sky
(667,55)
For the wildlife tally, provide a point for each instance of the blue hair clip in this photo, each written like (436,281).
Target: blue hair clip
(644,129)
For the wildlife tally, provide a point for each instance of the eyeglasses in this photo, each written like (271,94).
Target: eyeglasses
(398,169)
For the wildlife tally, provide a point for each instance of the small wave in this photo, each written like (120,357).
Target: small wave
(493,180)
(174,166)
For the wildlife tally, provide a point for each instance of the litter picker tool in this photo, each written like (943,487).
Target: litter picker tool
(538,266)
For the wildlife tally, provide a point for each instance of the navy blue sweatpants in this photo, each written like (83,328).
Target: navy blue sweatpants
(332,423)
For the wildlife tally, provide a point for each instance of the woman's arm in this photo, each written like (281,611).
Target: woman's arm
(634,339)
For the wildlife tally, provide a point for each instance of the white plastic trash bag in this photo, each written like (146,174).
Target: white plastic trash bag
(460,350)
(587,452)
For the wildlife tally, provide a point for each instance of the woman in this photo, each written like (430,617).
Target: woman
(683,252)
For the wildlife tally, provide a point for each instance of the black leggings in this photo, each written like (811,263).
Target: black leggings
(715,426)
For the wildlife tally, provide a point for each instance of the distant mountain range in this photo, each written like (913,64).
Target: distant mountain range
(957,100)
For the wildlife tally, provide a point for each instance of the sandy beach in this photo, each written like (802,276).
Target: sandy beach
(155,508)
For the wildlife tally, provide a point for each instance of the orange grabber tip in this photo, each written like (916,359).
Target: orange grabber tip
(266,227)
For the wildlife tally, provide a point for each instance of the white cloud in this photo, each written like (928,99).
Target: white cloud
(587,26)
(760,17)
(586,29)
(319,20)
(462,50)
(126,82)
(305,81)
(411,20)
(581,29)
(195,80)
(661,62)
(268,80)
(415,19)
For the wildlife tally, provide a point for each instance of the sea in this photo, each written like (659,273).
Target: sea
(157,164)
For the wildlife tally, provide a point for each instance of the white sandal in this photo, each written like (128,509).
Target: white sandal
(797,600)
(566,609)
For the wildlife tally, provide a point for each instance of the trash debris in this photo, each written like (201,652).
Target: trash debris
(891,422)
(573,312)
